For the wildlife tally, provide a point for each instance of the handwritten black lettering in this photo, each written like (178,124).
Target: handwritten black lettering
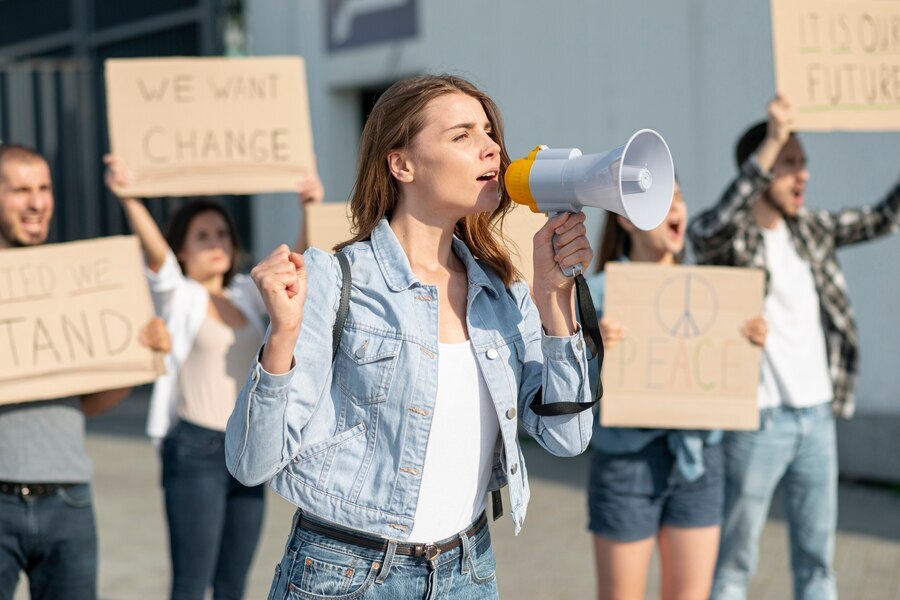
(162,146)
(116,331)
(41,341)
(152,156)
(90,275)
(70,330)
(153,94)
(184,89)
(11,337)
(264,87)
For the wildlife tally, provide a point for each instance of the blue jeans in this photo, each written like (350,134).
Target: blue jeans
(53,539)
(214,521)
(316,567)
(797,447)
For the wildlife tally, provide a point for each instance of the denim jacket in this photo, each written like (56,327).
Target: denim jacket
(345,439)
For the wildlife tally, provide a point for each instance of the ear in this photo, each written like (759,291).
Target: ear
(625,224)
(401,166)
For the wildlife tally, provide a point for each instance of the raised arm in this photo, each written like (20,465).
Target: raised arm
(139,218)
(555,360)
(712,231)
(854,225)
(294,368)
(309,191)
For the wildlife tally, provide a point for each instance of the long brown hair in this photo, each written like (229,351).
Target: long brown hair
(614,242)
(396,118)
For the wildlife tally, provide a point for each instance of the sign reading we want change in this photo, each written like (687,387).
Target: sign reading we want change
(838,61)
(202,126)
(70,316)
(682,362)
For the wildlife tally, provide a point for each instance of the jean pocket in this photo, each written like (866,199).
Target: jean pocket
(76,496)
(365,365)
(482,565)
(321,572)
(183,446)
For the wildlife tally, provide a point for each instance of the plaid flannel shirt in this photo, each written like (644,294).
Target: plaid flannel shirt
(727,234)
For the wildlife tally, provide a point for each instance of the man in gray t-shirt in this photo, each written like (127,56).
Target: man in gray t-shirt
(46,514)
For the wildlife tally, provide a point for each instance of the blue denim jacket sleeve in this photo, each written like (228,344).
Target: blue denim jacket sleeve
(557,366)
(264,431)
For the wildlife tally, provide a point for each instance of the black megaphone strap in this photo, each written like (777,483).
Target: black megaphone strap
(595,345)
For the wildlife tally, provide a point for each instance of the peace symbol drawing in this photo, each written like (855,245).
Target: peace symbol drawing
(694,313)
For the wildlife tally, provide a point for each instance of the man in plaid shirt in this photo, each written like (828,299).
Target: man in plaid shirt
(809,364)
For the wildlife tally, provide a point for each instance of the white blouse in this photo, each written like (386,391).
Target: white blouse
(460,452)
(183,304)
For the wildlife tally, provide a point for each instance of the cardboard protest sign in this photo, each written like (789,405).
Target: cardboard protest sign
(201,126)
(519,226)
(329,223)
(683,363)
(70,319)
(838,61)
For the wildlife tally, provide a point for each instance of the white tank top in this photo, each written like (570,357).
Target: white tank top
(460,451)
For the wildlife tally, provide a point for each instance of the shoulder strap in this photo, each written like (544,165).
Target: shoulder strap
(344,307)
(595,346)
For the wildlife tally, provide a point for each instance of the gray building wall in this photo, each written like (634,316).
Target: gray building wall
(588,73)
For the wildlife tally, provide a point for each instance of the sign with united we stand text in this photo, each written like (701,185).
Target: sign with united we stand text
(70,317)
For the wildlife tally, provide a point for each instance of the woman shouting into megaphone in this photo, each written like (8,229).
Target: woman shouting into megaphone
(386,400)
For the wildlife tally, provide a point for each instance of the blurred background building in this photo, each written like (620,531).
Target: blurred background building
(582,73)
(52,89)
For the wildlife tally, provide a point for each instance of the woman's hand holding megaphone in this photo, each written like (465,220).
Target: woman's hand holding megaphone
(561,243)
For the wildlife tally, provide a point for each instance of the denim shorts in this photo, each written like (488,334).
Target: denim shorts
(316,567)
(630,496)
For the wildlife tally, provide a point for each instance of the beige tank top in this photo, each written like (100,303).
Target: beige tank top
(214,371)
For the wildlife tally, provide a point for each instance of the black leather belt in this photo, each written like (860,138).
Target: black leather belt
(32,489)
(429,551)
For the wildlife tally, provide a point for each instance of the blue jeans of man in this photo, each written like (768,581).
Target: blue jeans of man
(798,448)
(53,539)
(214,521)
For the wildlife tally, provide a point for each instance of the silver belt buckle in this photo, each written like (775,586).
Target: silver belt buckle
(432,551)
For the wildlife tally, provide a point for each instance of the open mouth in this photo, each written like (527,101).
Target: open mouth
(675,229)
(32,223)
(488,176)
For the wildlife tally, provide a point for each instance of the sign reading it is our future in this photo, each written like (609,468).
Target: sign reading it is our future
(203,126)
(838,61)
(683,362)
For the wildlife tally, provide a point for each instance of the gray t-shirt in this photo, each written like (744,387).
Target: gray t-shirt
(43,442)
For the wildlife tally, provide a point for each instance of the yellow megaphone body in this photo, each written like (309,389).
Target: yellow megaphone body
(636,180)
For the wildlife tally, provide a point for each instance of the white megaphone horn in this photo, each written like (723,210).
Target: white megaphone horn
(636,180)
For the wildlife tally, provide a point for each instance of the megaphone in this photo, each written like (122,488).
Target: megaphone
(636,180)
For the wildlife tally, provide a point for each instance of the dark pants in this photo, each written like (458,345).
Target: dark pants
(214,521)
(53,540)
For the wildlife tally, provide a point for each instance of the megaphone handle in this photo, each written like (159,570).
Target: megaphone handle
(567,271)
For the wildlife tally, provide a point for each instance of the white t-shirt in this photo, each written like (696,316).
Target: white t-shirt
(794,367)
(460,451)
